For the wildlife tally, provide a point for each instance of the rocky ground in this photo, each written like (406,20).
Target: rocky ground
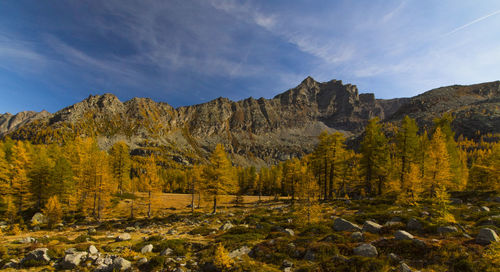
(345,235)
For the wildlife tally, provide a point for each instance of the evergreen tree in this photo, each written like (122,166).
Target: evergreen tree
(40,176)
(53,211)
(62,183)
(438,169)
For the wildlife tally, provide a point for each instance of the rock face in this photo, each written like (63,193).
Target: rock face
(366,250)
(270,129)
(486,236)
(343,225)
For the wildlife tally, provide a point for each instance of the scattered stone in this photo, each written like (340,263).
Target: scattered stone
(39,255)
(166,252)
(93,249)
(287,263)
(484,209)
(486,236)
(147,249)
(414,224)
(39,217)
(394,258)
(404,268)
(402,235)
(290,232)
(73,260)
(121,264)
(366,250)
(357,236)
(36,228)
(447,229)
(343,225)
(419,243)
(456,201)
(123,237)
(424,213)
(370,226)
(12,263)
(142,261)
(239,252)
(130,229)
(26,240)
(227,226)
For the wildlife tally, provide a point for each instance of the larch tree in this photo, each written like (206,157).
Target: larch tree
(374,157)
(120,165)
(151,181)
(19,176)
(218,176)
(194,179)
(53,211)
(438,172)
(407,146)
(62,183)
(41,176)
(4,176)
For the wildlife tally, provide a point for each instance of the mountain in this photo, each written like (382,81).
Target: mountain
(254,131)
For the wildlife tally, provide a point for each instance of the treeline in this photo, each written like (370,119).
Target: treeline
(80,179)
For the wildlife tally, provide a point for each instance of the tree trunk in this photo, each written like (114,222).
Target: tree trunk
(192,198)
(215,204)
(149,204)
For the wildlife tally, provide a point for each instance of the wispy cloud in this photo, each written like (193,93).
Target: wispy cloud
(473,22)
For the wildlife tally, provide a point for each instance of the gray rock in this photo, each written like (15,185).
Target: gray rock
(394,258)
(414,224)
(166,252)
(447,229)
(484,209)
(12,263)
(121,264)
(402,235)
(370,226)
(366,250)
(404,268)
(290,232)
(93,249)
(39,255)
(357,236)
(227,226)
(343,225)
(39,217)
(142,261)
(287,263)
(239,252)
(73,260)
(26,240)
(130,229)
(419,243)
(123,237)
(147,249)
(486,236)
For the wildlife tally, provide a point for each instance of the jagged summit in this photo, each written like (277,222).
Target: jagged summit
(267,130)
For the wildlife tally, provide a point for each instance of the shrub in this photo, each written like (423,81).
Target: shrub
(221,258)
(178,246)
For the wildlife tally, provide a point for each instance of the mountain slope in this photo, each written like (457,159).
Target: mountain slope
(254,131)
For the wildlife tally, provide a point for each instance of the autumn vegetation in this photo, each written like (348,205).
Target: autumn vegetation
(402,164)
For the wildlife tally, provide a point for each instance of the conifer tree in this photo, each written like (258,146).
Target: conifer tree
(53,211)
(438,169)
(375,157)
(120,165)
(41,176)
(19,176)
(62,183)
(218,175)
(151,180)
(407,145)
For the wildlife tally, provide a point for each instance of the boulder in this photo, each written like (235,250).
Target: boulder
(130,229)
(73,260)
(370,226)
(357,236)
(38,255)
(343,225)
(484,209)
(402,235)
(26,240)
(121,264)
(414,224)
(366,250)
(486,236)
(287,263)
(12,263)
(147,249)
(93,250)
(39,217)
(123,237)
(447,229)
(142,261)
(166,252)
(289,232)
(404,268)
(227,226)
(239,252)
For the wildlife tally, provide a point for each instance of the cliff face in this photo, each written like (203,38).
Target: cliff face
(255,131)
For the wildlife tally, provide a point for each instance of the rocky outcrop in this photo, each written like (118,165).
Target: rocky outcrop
(253,131)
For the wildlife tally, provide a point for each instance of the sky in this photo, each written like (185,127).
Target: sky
(183,52)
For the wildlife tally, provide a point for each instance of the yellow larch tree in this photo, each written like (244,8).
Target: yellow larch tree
(120,165)
(151,181)
(53,211)
(20,186)
(438,168)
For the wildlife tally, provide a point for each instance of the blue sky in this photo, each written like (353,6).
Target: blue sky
(56,53)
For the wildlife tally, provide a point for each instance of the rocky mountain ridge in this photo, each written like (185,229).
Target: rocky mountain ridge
(256,131)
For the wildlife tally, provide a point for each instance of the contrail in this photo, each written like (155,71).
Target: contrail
(473,22)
